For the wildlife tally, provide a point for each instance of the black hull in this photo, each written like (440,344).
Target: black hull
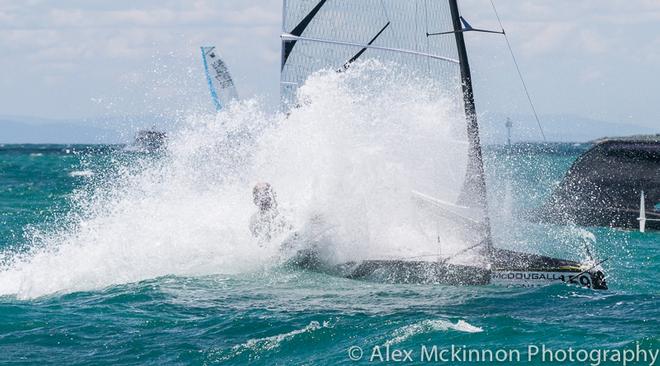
(509,268)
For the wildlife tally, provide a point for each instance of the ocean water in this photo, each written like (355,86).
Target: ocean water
(111,256)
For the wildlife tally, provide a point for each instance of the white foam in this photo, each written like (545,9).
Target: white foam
(430,326)
(353,151)
(81,173)
(275,341)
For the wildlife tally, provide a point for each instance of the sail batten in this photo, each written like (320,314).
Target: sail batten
(366,46)
(357,55)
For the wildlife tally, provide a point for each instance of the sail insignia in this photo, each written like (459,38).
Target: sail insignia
(466,25)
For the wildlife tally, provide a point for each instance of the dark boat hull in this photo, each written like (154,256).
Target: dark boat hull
(509,268)
(604,185)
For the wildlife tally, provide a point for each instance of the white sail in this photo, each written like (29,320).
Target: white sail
(642,213)
(221,85)
(333,34)
(416,34)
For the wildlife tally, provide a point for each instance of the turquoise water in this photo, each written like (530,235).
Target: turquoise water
(275,315)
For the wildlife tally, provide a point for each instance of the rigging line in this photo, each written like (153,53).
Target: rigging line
(587,270)
(416,24)
(428,44)
(522,80)
(289,37)
(385,11)
(445,260)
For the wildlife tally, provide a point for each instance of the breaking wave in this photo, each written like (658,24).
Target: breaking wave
(351,152)
(258,346)
(430,326)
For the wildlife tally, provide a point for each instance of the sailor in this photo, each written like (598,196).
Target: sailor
(267,222)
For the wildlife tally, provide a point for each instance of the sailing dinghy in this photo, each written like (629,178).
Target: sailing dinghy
(427,36)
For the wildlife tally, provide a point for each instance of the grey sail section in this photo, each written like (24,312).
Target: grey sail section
(311,25)
(335,34)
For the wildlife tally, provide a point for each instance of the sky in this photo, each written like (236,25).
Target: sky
(77,59)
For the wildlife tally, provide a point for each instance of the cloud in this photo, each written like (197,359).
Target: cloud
(581,27)
(166,14)
(48,35)
(650,52)
(127,53)
(546,38)
(92,48)
(591,75)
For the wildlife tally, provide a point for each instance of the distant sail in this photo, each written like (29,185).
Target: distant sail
(220,82)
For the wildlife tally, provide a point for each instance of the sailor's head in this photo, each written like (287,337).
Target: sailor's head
(264,196)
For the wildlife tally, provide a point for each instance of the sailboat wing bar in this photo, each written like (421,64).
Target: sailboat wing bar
(291,37)
(466,28)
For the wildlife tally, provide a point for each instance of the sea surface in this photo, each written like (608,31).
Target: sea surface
(279,316)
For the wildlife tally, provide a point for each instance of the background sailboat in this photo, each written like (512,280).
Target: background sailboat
(221,85)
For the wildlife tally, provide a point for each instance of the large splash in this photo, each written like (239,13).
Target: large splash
(351,153)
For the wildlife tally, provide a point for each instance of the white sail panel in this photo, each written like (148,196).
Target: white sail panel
(390,24)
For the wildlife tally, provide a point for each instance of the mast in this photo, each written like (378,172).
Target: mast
(284,43)
(475,177)
(509,125)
